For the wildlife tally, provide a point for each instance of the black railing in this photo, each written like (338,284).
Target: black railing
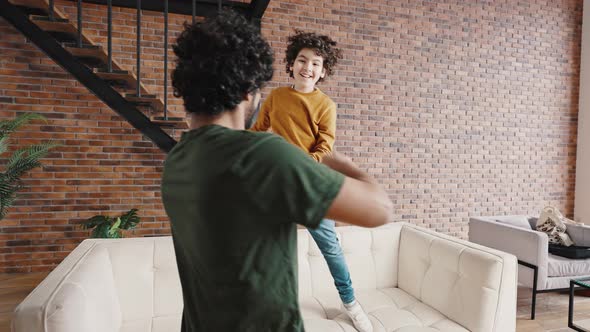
(84,75)
(51,15)
(165,59)
(79,23)
(75,64)
(138,55)
(110,36)
(194,10)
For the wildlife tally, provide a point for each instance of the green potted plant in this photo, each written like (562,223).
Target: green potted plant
(20,162)
(106,227)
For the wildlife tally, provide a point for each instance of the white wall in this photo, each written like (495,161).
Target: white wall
(582,200)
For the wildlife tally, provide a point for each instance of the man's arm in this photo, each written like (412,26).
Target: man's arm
(361,201)
(326,135)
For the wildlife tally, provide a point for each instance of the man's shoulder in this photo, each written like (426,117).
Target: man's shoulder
(270,145)
(267,151)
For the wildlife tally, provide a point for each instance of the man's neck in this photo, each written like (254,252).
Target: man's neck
(230,119)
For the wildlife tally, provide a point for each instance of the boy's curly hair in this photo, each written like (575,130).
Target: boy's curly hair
(218,62)
(323,46)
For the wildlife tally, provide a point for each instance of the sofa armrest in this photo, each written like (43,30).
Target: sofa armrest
(473,285)
(78,295)
(527,245)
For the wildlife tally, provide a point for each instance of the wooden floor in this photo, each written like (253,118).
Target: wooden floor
(551,307)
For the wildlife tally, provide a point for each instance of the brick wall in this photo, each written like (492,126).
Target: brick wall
(459,109)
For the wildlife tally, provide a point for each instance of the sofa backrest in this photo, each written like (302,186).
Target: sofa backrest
(147,282)
(464,281)
(108,286)
(72,296)
(371,255)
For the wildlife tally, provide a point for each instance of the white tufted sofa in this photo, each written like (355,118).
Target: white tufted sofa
(407,278)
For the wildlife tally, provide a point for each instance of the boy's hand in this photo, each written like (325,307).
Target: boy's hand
(343,164)
(361,200)
(337,161)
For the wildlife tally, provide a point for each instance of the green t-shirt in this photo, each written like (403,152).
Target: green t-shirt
(233,198)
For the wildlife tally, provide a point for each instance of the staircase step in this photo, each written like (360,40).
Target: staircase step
(61,30)
(94,56)
(48,19)
(133,95)
(35,4)
(146,100)
(84,46)
(179,123)
(120,76)
(54,26)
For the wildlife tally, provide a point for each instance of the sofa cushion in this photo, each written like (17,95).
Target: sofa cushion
(371,255)
(580,234)
(389,309)
(516,221)
(564,267)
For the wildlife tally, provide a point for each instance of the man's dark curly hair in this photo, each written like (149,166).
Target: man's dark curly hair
(218,62)
(323,46)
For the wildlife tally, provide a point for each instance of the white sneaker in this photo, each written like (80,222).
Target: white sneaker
(358,316)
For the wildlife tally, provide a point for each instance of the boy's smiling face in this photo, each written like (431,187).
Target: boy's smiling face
(307,69)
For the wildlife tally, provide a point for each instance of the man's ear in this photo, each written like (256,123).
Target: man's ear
(251,96)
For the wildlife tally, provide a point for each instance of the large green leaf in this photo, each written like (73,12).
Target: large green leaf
(3,144)
(6,202)
(21,161)
(9,126)
(114,231)
(101,231)
(25,159)
(108,227)
(115,235)
(130,219)
(6,188)
(97,220)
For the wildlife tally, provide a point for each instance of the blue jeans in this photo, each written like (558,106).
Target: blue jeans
(325,237)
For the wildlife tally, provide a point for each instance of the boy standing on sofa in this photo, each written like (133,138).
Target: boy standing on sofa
(306,117)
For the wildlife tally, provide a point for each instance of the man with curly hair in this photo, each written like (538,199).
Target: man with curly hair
(306,117)
(233,196)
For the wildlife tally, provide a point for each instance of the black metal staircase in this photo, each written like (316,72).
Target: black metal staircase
(50,30)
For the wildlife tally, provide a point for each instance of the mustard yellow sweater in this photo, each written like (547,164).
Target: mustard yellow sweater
(307,120)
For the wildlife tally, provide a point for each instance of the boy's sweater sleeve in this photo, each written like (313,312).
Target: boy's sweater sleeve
(263,120)
(326,134)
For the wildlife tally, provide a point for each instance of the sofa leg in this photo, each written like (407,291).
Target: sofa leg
(534,302)
(535,277)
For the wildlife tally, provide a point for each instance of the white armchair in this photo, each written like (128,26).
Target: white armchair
(538,269)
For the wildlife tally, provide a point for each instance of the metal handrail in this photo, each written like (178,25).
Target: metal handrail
(110,35)
(138,90)
(51,15)
(165,59)
(194,10)
(79,23)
